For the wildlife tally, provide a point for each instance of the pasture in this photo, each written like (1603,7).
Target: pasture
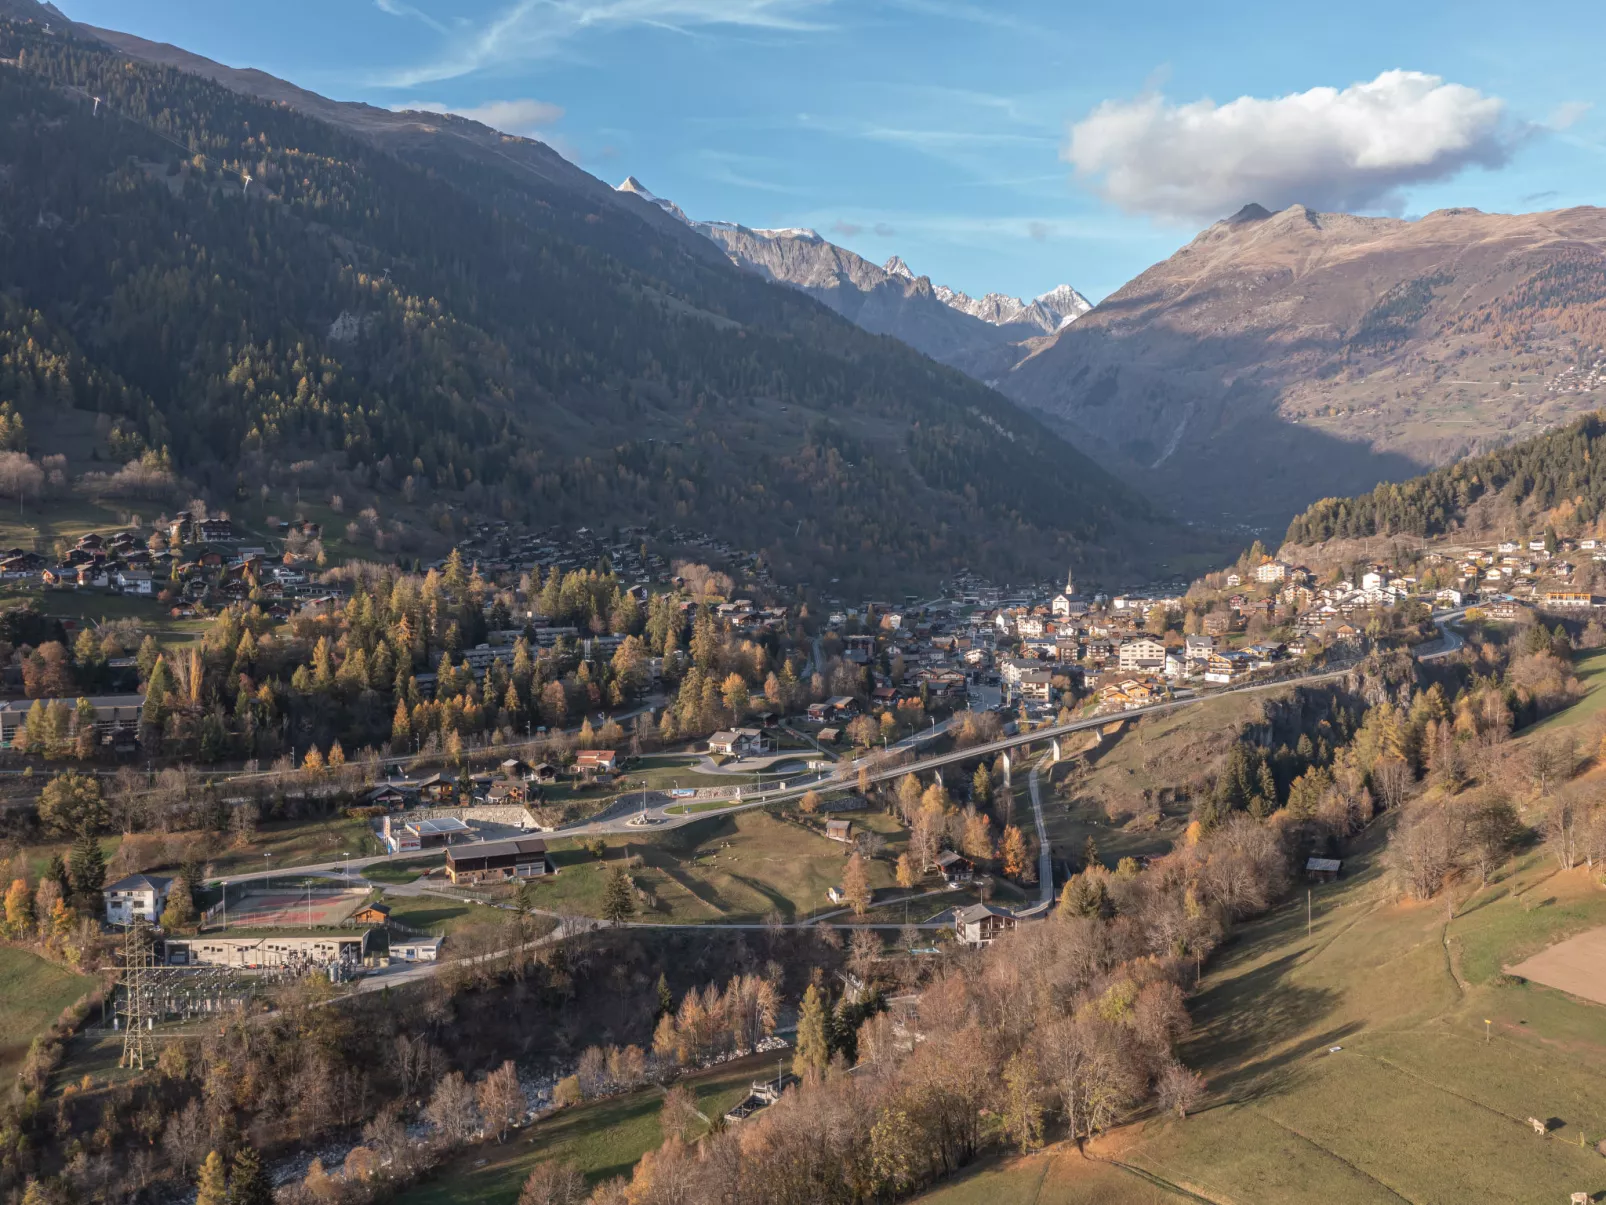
(32,994)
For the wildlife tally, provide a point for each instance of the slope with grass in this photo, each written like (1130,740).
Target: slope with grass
(32,994)
(728,868)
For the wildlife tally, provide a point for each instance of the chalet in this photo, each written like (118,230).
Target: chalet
(138,895)
(375,913)
(981,924)
(437,788)
(135,581)
(388,795)
(597,761)
(829,736)
(494,861)
(506,790)
(739,742)
(215,529)
(955,869)
(839,830)
(838,707)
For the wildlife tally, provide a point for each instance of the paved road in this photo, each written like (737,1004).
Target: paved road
(1045,856)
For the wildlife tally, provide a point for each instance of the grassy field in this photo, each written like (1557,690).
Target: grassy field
(1403,996)
(1591,670)
(725,868)
(401,872)
(435,913)
(604,1138)
(32,993)
(296,843)
(1058,1176)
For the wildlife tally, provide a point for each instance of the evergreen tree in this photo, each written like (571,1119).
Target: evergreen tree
(619,897)
(87,868)
(249,1183)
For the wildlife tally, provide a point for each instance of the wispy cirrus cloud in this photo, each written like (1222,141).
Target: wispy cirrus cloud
(534,29)
(398,8)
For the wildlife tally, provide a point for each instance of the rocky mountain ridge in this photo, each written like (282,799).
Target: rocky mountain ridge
(982,337)
(1281,358)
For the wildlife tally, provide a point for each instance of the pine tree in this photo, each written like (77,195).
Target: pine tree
(249,1184)
(86,866)
(813,1039)
(666,1001)
(619,898)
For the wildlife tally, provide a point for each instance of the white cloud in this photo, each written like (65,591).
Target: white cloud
(530,29)
(1331,149)
(525,116)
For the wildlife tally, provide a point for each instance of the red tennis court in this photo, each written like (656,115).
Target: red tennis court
(291,909)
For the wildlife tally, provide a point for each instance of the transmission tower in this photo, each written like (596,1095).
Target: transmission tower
(136,1007)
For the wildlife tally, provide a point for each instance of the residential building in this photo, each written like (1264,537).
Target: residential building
(981,924)
(597,761)
(137,895)
(1142,653)
(739,742)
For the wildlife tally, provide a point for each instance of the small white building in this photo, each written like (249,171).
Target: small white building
(138,895)
(135,581)
(415,949)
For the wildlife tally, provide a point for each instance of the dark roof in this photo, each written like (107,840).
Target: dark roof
(515,847)
(976,912)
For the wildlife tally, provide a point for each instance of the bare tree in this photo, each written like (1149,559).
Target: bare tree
(554,1184)
(185,1138)
(501,1100)
(1178,1089)
(451,1108)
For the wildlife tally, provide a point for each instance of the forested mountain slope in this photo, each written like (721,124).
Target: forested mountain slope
(1279,358)
(449,332)
(1556,477)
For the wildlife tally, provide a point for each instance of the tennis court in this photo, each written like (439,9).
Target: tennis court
(323,909)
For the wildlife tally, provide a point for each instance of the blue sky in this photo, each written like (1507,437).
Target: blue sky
(995,146)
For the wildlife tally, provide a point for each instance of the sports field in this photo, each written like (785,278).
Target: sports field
(293,909)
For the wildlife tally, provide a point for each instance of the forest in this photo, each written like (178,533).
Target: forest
(1532,477)
(434,333)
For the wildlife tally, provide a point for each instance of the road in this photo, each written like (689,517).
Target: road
(665,815)
(1450,641)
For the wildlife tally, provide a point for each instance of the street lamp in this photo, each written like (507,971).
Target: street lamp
(268,870)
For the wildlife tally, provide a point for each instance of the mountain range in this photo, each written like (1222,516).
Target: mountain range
(249,281)
(982,337)
(1279,358)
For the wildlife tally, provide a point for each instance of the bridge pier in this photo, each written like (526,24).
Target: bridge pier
(1055,746)
(1006,767)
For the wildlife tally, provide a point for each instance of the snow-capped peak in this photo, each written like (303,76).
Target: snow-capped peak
(1066,302)
(633,185)
(896,267)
